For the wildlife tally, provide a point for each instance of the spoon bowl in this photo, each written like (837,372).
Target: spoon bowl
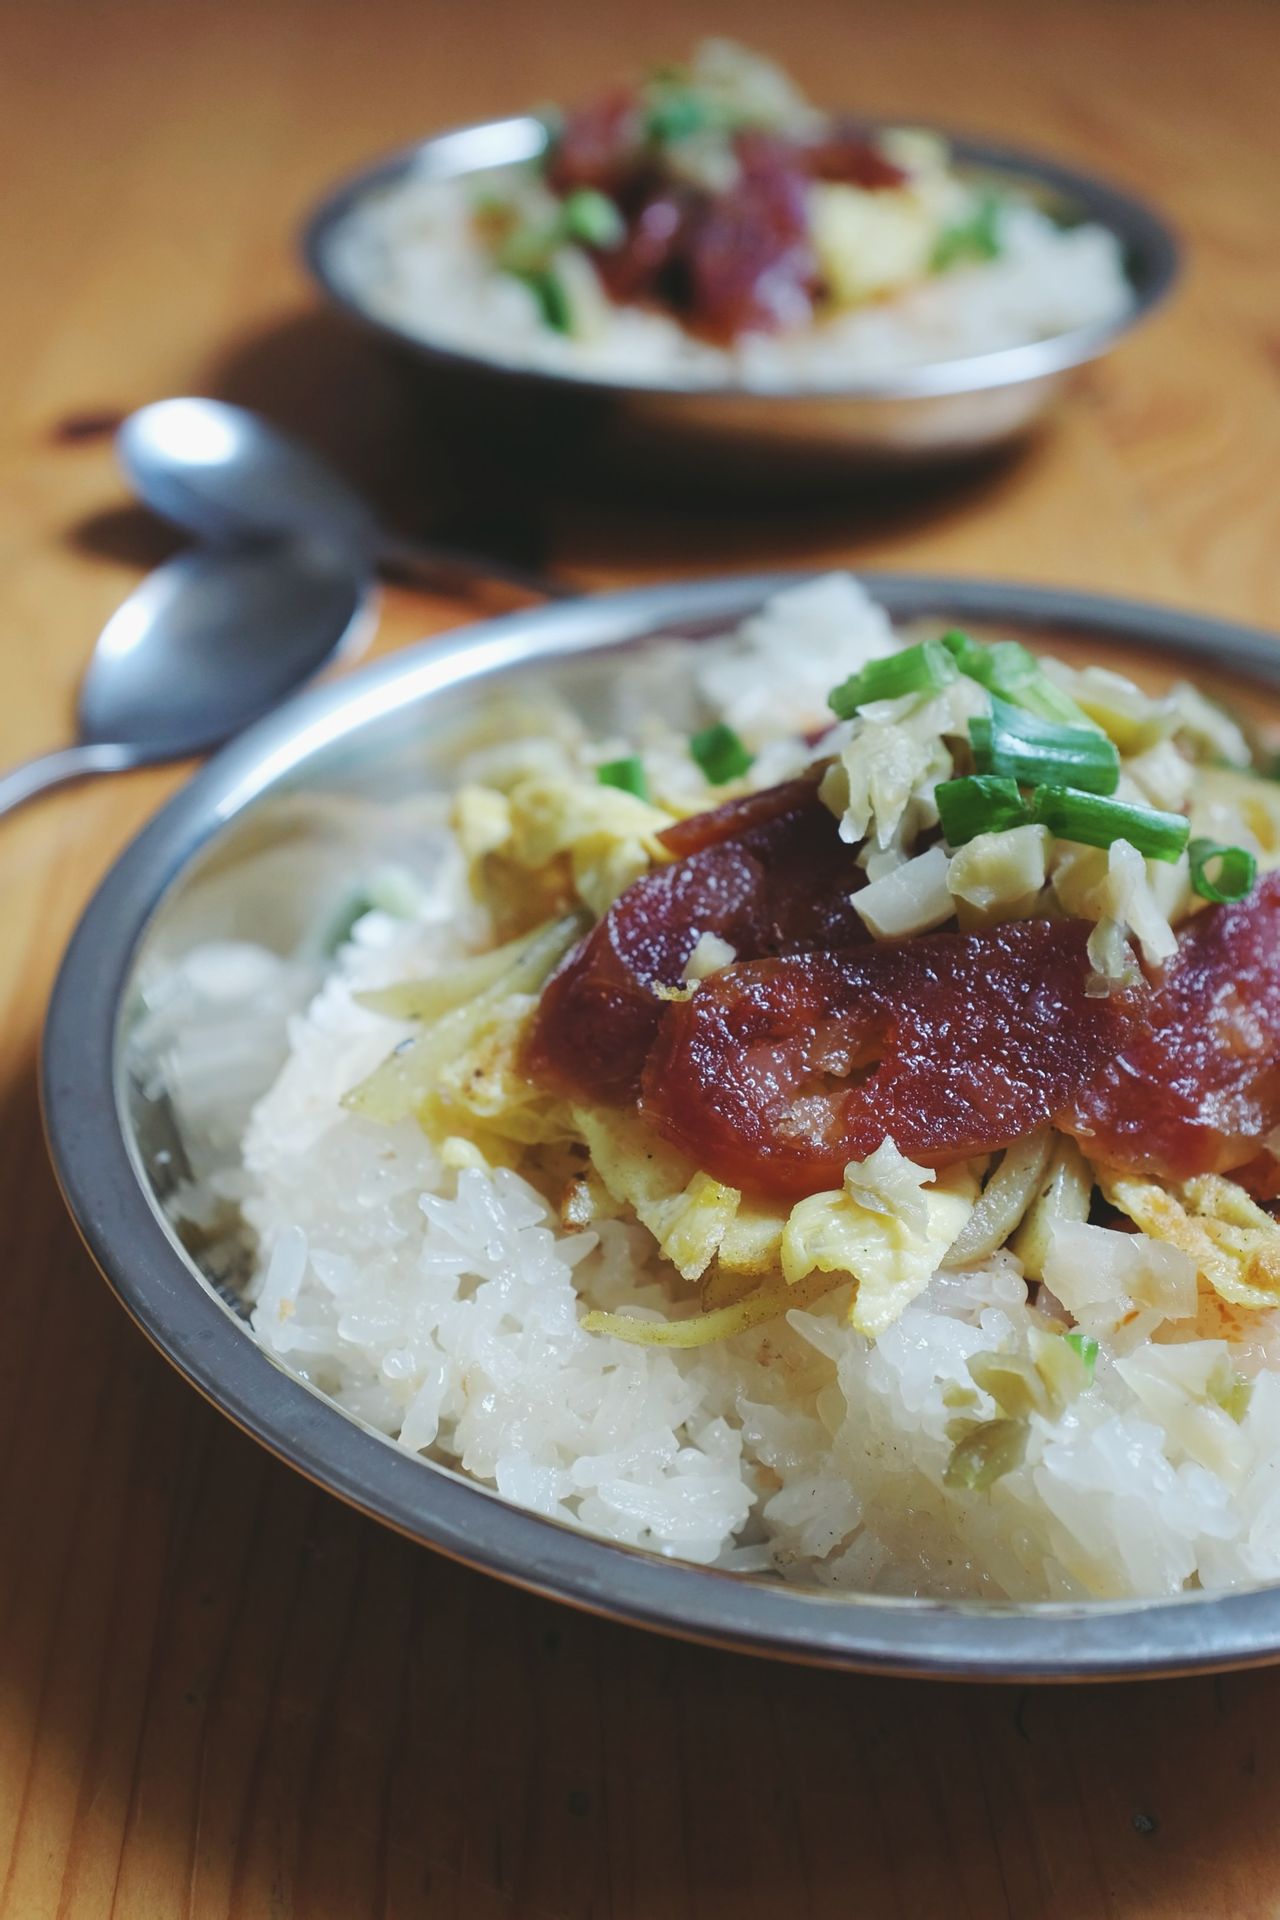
(229,477)
(206,644)
(232,479)
(213,640)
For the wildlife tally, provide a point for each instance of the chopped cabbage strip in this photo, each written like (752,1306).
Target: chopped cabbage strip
(722,1323)
(482,1029)
(1001,873)
(1064,1195)
(1005,1199)
(520,966)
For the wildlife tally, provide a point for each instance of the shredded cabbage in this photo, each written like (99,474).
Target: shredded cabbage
(1005,1199)
(1001,874)
(722,1323)
(911,899)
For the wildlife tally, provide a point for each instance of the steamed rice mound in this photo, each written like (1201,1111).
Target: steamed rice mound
(438,1298)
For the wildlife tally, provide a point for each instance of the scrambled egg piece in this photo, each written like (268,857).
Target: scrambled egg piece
(870,243)
(687,1212)
(1234,1243)
(883,1229)
(696,1220)
(547,840)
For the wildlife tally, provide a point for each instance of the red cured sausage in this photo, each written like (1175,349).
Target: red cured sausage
(750,264)
(741,817)
(769,874)
(778,1073)
(1198,1090)
(844,153)
(597,145)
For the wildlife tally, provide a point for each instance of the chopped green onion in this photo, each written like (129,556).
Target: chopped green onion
(921,669)
(388,890)
(720,754)
(1094,822)
(977,238)
(628,774)
(1237,871)
(1037,752)
(1008,669)
(1086,1347)
(592,219)
(676,113)
(984,1454)
(527,253)
(552,295)
(984,803)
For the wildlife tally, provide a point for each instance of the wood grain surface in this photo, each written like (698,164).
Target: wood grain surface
(221,1694)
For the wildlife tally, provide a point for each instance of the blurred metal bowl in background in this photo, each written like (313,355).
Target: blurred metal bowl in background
(247,851)
(938,411)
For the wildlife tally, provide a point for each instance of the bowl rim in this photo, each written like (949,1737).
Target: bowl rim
(1143,231)
(159,1285)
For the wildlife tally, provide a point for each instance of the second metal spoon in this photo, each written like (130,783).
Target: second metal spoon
(207,643)
(230,477)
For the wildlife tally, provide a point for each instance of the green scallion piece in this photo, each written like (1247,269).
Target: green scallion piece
(1237,871)
(628,774)
(983,803)
(592,219)
(720,754)
(925,668)
(549,289)
(1086,1347)
(1011,671)
(676,113)
(1094,822)
(974,239)
(1037,752)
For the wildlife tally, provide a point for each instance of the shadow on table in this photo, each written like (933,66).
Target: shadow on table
(224,1688)
(368,407)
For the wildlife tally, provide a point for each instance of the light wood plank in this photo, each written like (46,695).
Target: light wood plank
(221,1695)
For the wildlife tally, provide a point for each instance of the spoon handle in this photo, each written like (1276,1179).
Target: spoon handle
(452,564)
(56,769)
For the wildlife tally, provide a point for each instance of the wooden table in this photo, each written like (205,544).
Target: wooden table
(221,1694)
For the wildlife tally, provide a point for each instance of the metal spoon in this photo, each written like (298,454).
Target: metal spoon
(230,477)
(207,643)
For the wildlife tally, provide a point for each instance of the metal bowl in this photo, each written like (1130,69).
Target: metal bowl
(945,409)
(330,769)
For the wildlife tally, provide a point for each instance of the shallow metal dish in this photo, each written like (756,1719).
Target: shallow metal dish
(385,733)
(943,410)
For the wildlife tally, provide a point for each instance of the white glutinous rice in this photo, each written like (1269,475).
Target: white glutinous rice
(410,254)
(439,1300)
